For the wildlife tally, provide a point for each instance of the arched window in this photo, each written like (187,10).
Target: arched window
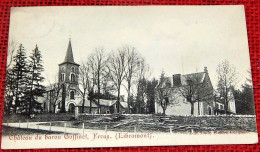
(72,69)
(62,77)
(72,94)
(71,108)
(72,77)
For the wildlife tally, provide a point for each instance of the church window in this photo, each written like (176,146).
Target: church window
(72,77)
(72,69)
(62,77)
(72,94)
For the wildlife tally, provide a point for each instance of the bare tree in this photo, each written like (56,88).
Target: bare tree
(85,82)
(166,94)
(10,79)
(116,70)
(10,53)
(132,62)
(143,72)
(226,81)
(97,60)
(195,89)
(54,91)
(9,90)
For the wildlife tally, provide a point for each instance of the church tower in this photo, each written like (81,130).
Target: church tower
(68,77)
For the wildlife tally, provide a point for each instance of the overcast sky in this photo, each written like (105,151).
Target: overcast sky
(176,39)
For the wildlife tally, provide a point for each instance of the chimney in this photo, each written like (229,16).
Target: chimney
(176,80)
(205,70)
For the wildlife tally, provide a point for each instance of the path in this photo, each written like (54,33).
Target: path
(39,126)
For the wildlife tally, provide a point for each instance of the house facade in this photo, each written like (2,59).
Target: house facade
(184,89)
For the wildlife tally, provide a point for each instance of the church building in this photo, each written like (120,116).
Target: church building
(64,95)
(68,78)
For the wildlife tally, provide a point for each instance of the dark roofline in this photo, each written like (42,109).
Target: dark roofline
(193,73)
(69,63)
(69,55)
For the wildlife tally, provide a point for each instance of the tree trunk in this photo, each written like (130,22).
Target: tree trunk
(198,108)
(16,102)
(83,102)
(54,108)
(51,94)
(164,111)
(31,97)
(118,99)
(192,108)
(99,110)
(151,106)
(83,105)
(63,110)
(90,106)
(226,101)
(128,97)
(10,105)
(30,105)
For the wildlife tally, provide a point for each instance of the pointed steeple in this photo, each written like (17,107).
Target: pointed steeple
(69,55)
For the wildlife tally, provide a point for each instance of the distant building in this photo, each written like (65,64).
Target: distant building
(220,104)
(65,95)
(110,106)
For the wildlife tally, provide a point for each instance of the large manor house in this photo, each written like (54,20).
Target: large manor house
(66,94)
(210,102)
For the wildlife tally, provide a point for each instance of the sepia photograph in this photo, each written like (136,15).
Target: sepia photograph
(120,76)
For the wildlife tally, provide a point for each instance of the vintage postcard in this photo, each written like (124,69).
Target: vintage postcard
(128,76)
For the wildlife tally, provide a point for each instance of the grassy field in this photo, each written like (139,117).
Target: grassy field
(6,131)
(144,123)
(153,123)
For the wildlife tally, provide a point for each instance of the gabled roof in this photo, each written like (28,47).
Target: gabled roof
(87,103)
(197,77)
(108,103)
(69,55)
(124,104)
